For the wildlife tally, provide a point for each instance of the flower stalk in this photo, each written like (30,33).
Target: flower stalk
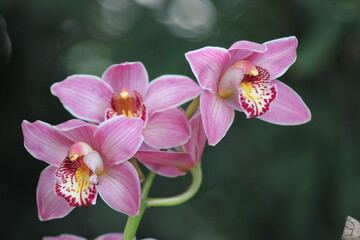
(132,223)
(183,197)
(192,107)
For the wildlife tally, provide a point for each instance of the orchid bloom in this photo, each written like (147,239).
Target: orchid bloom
(109,236)
(170,163)
(85,159)
(243,78)
(124,89)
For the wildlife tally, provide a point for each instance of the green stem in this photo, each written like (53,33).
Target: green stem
(134,162)
(192,107)
(183,197)
(132,223)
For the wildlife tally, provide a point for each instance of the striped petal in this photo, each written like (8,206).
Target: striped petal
(120,137)
(217,117)
(129,75)
(45,142)
(288,108)
(207,64)
(50,205)
(167,129)
(279,56)
(119,187)
(166,163)
(170,91)
(84,96)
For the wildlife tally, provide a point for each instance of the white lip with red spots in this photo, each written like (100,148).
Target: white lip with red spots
(75,181)
(256,93)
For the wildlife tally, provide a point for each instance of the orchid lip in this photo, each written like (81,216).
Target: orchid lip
(256,93)
(75,181)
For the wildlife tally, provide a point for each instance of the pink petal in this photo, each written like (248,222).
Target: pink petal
(119,187)
(217,117)
(73,123)
(80,131)
(45,142)
(84,96)
(110,236)
(242,49)
(50,205)
(233,102)
(169,164)
(119,137)
(288,108)
(170,91)
(129,75)
(167,129)
(64,237)
(207,65)
(280,55)
(195,145)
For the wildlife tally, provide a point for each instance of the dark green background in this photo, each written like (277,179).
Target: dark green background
(261,182)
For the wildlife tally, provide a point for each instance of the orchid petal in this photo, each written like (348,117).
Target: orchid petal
(84,96)
(170,91)
(129,75)
(120,137)
(195,145)
(169,164)
(64,237)
(233,102)
(287,108)
(217,117)
(207,64)
(50,205)
(119,187)
(79,131)
(242,49)
(110,236)
(73,123)
(45,142)
(280,55)
(167,129)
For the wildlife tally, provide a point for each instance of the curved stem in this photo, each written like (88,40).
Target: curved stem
(132,223)
(192,107)
(183,197)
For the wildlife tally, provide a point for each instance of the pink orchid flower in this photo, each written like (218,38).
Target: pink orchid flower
(85,160)
(124,89)
(109,236)
(243,78)
(170,163)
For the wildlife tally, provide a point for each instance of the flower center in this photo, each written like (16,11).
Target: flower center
(75,181)
(249,67)
(256,93)
(232,76)
(126,104)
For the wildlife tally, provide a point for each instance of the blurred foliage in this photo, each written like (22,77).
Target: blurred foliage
(262,181)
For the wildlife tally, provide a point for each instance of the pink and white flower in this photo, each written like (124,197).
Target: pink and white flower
(174,163)
(124,89)
(85,159)
(108,236)
(243,78)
